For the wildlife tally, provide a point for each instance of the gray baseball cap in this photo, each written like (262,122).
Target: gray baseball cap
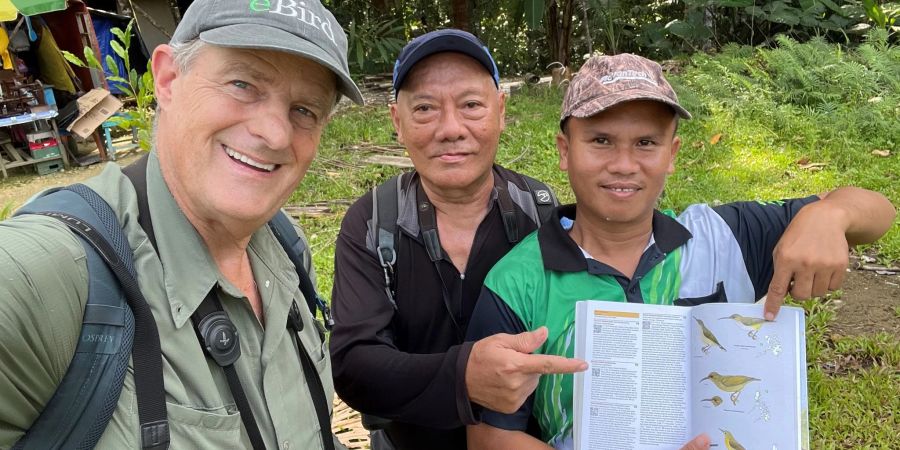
(605,81)
(301,27)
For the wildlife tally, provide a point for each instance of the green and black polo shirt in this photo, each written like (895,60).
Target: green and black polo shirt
(706,254)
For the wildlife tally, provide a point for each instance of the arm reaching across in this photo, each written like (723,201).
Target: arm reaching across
(813,251)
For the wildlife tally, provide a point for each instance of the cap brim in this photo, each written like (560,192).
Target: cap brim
(268,38)
(446,43)
(593,106)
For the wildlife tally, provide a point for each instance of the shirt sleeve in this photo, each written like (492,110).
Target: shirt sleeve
(370,373)
(491,316)
(757,227)
(42,299)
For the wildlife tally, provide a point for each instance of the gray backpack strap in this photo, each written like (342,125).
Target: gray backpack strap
(544,199)
(77,414)
(385,209)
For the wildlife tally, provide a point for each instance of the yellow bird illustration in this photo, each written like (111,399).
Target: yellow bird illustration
(730,383)
(715,400)
(751,324)
(730,442)
(707,337)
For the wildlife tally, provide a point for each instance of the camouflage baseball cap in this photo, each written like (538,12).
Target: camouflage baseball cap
(606,81)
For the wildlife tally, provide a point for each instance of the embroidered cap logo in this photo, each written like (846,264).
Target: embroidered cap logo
(292,8)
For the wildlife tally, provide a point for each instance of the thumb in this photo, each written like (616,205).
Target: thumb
(529,341)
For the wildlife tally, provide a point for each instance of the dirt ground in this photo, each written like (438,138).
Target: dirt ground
(870,304)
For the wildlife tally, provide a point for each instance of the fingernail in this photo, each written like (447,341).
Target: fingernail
(770,316)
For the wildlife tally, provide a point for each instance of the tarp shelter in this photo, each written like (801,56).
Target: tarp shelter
(9,9)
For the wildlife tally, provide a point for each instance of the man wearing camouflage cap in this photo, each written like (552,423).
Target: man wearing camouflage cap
(244,90)
(618,144)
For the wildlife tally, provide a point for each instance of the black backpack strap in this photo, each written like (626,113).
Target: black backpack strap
(385,209)
(79,397)
(544,199)
(137,174)
(508,214)
(295,247)
(313,382)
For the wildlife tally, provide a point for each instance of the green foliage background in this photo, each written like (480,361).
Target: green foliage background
(814,101)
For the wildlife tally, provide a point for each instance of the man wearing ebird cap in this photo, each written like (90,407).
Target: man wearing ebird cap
(244,90)
(406,283)
(618,144)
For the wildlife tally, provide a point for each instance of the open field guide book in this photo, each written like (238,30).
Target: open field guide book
(660,375)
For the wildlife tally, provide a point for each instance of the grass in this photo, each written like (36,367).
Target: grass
(7,210)
(777,111)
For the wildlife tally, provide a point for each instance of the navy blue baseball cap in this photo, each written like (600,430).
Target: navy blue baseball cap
(448,40)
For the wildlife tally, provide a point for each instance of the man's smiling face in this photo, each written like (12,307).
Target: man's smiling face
(238,130)
(618,160)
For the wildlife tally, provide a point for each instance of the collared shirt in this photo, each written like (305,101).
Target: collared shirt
(42,297)
(704,255)
(408,364)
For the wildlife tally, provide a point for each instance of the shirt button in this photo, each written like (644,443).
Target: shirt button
(286,445)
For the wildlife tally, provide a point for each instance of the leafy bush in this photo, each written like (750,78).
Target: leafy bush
(139,87)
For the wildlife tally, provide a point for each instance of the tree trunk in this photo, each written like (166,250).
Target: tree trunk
(587,27)
(559,30)
(460,16)
(124,8)
(380,7)
(176,13)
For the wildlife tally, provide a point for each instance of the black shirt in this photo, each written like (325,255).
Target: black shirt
(408,364)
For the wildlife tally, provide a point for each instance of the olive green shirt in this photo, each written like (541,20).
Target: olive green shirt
(43,290)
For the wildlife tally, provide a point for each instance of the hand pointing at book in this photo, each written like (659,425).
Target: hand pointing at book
(501,371)
(700,442)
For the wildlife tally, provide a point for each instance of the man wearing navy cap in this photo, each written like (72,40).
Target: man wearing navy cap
(398,342)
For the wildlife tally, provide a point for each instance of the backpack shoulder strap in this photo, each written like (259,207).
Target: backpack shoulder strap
(544,199)
(85,399)
(295,247)
(385,209)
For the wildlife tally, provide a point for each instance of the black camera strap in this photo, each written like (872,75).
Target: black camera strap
(219,337)
(221,342)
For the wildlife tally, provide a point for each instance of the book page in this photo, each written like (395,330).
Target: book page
(635,392)
(749,377)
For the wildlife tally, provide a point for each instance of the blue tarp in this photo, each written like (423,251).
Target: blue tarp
(102,27)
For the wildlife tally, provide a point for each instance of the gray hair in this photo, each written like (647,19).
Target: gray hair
(186,52)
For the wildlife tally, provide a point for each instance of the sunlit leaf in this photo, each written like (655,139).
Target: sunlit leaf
(70,57)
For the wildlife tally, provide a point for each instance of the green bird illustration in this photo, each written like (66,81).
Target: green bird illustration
(751,324)
(730,442)
(730,383)
(708,338)
(715,400)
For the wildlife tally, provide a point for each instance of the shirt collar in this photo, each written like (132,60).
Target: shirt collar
(560,253)
(189,271)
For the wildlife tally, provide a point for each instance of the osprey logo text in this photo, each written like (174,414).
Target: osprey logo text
(104,338)
(298,9)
